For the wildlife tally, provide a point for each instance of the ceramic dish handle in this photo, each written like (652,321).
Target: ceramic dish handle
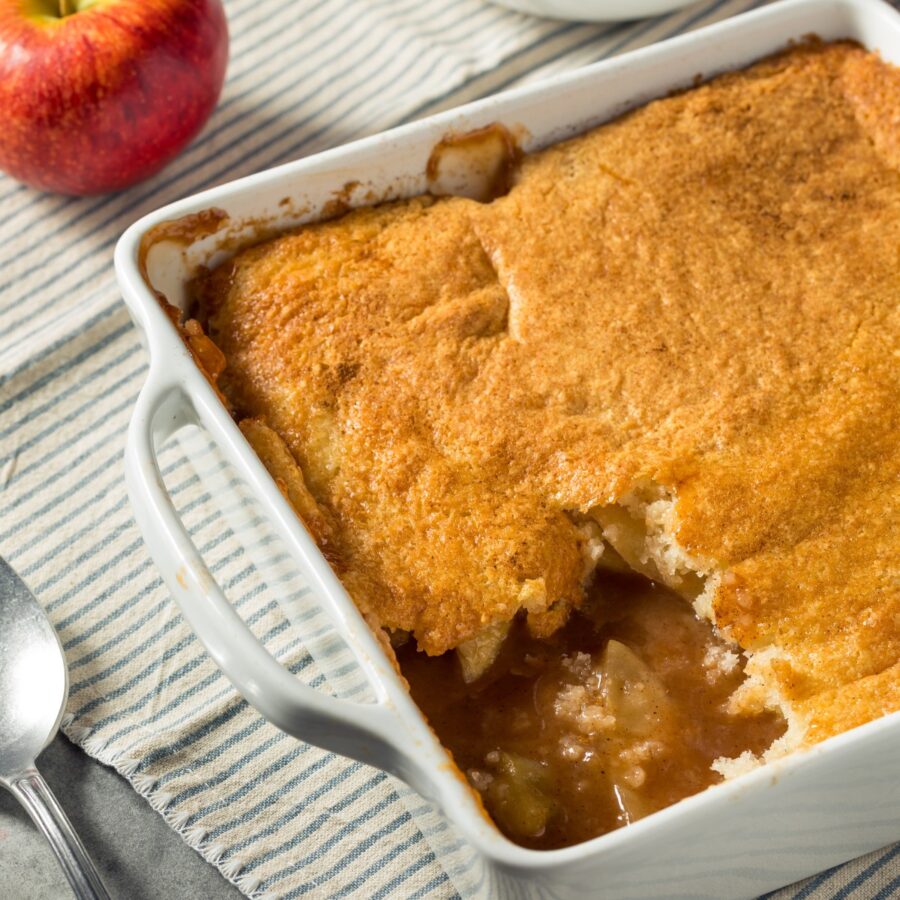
(364,731)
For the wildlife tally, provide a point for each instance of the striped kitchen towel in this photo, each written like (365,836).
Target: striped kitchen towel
(278,817)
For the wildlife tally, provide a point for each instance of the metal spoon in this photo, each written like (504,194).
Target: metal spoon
(34,685)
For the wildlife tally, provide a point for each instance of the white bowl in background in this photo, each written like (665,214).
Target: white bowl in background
(594,10)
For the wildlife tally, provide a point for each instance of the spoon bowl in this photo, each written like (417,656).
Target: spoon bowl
(33,676)
(34,686)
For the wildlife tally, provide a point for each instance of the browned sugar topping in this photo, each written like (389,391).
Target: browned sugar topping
(702,294)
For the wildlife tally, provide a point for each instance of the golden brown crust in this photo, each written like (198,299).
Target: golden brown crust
(702,294)
(324,333)
(852,704)
(276,457)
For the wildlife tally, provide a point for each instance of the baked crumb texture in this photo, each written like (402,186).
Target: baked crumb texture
(674,342)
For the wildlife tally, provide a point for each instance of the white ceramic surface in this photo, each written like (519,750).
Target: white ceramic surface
(594,10)
(739,839)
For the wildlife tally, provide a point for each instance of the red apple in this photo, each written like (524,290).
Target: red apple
(98,94)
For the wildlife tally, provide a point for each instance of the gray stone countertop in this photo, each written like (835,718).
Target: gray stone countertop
(139,856)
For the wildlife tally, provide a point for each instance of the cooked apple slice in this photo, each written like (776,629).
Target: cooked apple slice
(611,561)
(477,654)
(631,803)
(634,694)
(519,794)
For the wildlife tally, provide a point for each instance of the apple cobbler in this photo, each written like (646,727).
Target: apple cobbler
(611,461)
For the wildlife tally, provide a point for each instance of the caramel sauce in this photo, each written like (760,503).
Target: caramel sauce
(478,164)
(183,231)
(617,715)
(339,202)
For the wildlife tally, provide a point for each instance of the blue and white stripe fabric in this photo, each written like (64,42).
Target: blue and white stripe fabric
(279,818)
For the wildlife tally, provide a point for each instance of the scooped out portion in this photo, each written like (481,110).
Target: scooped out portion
(620,713)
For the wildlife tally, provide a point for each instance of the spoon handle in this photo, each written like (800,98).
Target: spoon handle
(34,794)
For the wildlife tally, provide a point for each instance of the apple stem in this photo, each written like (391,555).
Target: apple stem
(66,8)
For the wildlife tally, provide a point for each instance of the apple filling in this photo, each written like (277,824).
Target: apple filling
(625,710)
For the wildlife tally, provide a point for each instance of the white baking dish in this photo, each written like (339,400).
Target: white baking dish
(752,834)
